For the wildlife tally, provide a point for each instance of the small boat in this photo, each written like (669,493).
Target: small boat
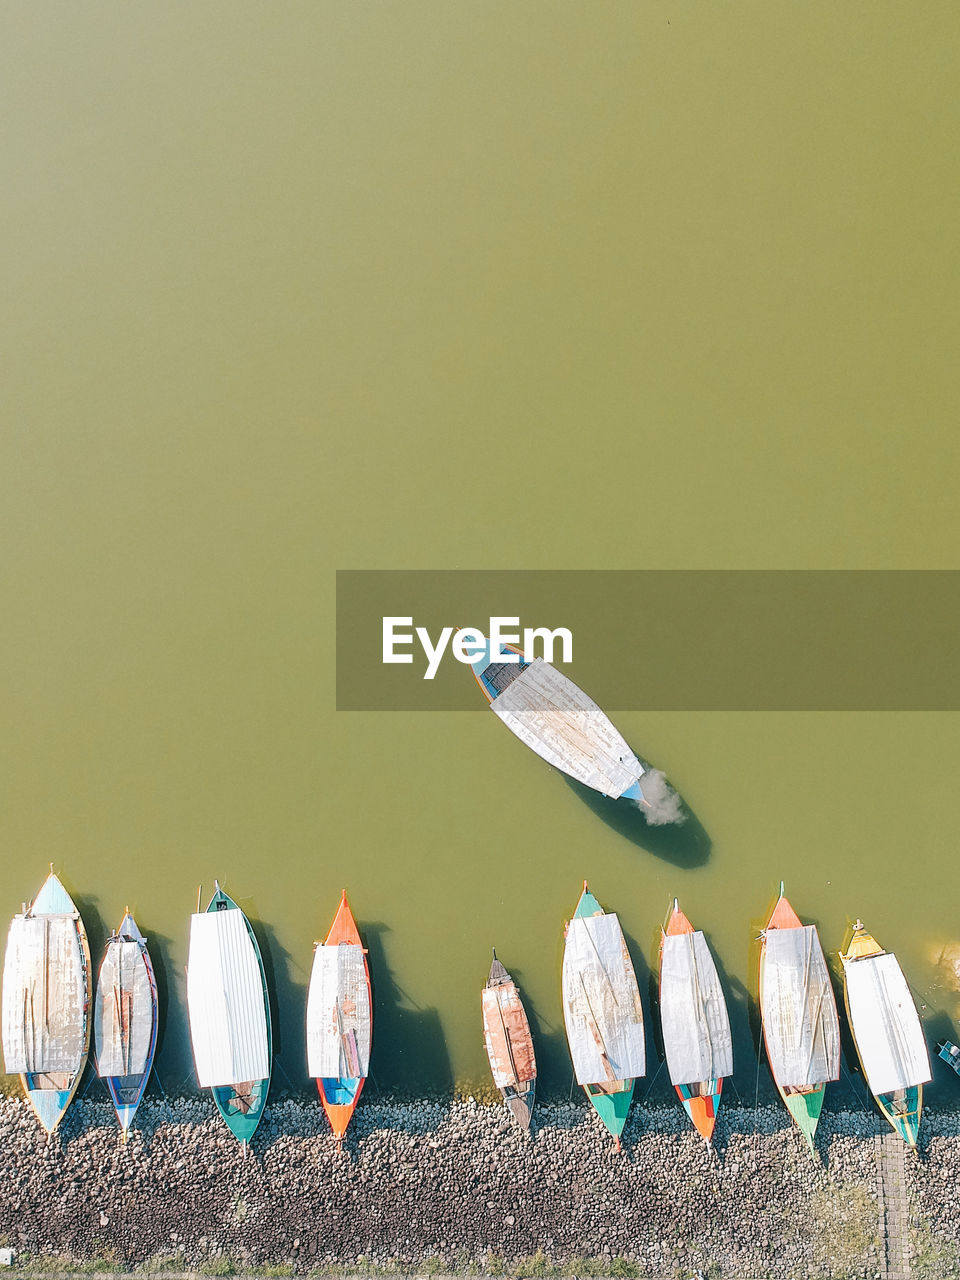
(558,721)
(694,1019)
(229,1011)
(801,1029)
(339,1019)
(125,1019)
(887,1032)
(46,1001)
(950,1053)
(602,1011)
(506,1034)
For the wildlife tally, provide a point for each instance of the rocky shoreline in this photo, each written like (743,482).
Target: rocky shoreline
(434,1187)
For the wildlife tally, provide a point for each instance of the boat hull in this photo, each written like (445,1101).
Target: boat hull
(610,1099)
(126,1092)
(509,1044)
(804,1102)
(901,1107)
(339,1095)
(242,1105)
(50,1093)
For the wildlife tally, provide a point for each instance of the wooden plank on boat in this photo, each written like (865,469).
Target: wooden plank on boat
(886,1025)
(601,1002)
(557,720)
(801,1028)
(123,1011)
(44,996)
(696,1026)
(338,1013)
(228,1024)
(507,1036)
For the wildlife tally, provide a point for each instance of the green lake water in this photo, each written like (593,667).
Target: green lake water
(297,288)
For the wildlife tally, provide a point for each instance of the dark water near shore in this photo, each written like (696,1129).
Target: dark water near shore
(462,286)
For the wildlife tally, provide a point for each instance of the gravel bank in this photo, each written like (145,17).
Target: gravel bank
(454,1186)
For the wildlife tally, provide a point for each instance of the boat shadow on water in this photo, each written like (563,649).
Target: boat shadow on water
(409,1057)
(685,843)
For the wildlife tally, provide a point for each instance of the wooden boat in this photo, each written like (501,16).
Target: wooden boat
(339,1019)
(558,721)
(229,1011)
(694,1019)
(509,1044)
(801,1029)
(602,1011)
(125,1019)
(887,1032)
(46,1001)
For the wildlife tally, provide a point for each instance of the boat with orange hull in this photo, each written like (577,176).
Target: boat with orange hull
(694,1019)
(509,1044)
(801,1030)
(340,1019)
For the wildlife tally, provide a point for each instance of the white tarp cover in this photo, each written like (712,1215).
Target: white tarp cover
(338,1013)
(123,1011)
(601,1002)
(225,1001)
(44,993)
(800,1025)
(693,1011)
(559,722)
(885,1024)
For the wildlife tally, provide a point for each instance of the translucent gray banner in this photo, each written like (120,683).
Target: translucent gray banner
(694,640)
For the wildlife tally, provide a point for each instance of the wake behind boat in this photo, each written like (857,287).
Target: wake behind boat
(46,1001)
(801,1029)
(602,1012)
(886,1031)
(694,1020)
(339,1019)
(229,1013)
(509,1045)
(125,1019)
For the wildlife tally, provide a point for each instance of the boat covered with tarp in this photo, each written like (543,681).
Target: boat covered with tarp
(886,1031)
(125,1019)
(229,1011)
(509,1044)
(557,720)
(801,1030)
(339,1019)
(602,1011)
(46,1001)
(694,1020)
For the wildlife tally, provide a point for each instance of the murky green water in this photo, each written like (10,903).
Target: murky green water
(291,289)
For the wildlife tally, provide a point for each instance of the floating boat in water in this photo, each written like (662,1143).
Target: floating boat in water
(950,1053)
(694,1019)
(801,1029)
(339,1019)
(602,1011)
(506,1034)
(229,1011)
(557,720)
(886,1031)
(125,1019)
(46,1001)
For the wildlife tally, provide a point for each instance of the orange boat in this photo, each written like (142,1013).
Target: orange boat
(339,1019)
(801,1030)
(694,1019)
